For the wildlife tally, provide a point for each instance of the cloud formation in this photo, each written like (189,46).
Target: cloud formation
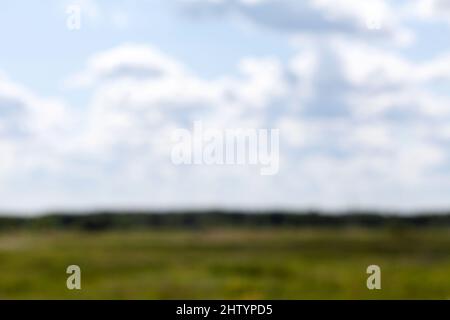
(356,122)
(431,9)
(373,18)
(361,123)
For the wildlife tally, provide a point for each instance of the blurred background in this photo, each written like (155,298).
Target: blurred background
(91,92)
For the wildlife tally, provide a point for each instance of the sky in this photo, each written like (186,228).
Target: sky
(359,91)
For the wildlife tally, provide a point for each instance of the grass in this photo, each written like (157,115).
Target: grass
(227,263)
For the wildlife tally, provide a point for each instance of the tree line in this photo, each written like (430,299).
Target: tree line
(98,221)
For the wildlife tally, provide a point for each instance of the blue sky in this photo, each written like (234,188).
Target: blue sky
(358,89)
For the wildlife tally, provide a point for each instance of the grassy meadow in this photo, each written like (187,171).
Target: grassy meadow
(216,263)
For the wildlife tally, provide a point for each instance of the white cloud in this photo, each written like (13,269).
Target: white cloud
(351,17)
(130,61)
(389,134)
(430,9)
(365,144)
(25,115)
(31,129)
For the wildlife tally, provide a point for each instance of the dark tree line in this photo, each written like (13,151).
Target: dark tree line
(98,221)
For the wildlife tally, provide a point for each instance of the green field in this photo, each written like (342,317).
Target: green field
(225,263)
